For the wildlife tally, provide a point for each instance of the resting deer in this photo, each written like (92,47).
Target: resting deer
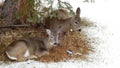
(29,48)
(61,26)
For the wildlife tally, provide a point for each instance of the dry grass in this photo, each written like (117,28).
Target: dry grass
(9,36)
(86,22)
(77,43)
(74,42)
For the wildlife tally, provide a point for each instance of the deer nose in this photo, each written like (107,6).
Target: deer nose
(56,43)
(79,30)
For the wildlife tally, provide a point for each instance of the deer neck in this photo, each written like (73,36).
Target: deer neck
(66,22)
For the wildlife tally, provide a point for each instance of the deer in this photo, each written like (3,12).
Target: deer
(29,48)
(59,27)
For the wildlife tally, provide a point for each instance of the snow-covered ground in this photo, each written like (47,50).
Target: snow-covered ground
(105,13)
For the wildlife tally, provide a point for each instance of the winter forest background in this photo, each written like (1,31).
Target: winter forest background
(105,14)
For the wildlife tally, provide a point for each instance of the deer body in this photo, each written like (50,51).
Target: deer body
(29,48)
(64,24)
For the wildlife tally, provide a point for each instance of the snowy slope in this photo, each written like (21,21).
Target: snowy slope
(105,13)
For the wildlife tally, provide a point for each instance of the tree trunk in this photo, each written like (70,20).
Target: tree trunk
(16,11)
(8,12)
(11,9)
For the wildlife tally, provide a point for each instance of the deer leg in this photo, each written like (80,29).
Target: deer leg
(31,57)
(39,54)
(21,58)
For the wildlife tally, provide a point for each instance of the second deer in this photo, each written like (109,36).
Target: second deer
(61,26)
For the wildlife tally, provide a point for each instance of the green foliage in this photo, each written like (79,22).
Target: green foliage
(26,9)
(35,10)
(65,5)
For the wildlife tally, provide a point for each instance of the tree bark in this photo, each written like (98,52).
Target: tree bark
(8,12)
(12,8)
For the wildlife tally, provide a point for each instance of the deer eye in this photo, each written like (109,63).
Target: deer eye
(76,22)
(52,37)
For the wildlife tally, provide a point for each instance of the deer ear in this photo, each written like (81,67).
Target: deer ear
(48,31)
(78,11)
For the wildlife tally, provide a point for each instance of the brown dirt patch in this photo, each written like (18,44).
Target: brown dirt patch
(77,44)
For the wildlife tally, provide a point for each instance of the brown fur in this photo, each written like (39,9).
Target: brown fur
(60,26)
(61,13)
(36,47)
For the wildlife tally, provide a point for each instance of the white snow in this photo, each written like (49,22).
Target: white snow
(106,14)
